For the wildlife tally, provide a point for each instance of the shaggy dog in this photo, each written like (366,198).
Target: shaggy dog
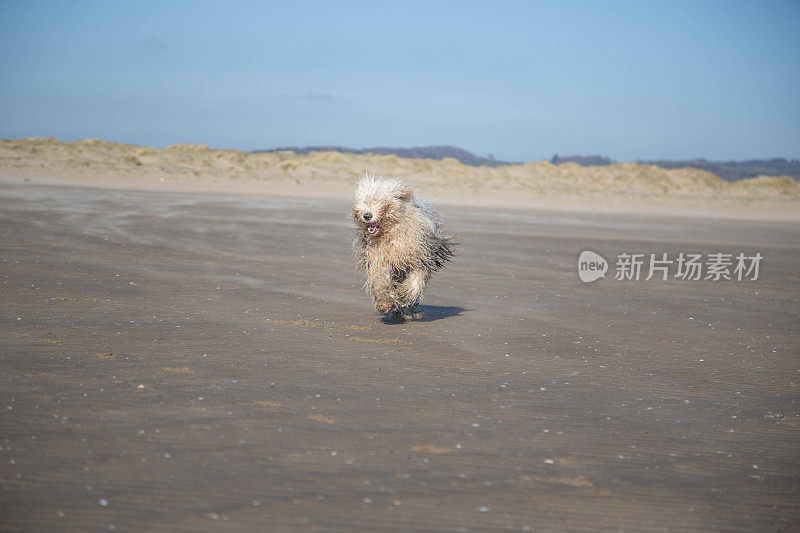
(399,243)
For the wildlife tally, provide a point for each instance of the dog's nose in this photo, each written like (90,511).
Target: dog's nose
(367,216)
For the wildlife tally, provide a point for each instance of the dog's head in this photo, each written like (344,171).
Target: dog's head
(379,204)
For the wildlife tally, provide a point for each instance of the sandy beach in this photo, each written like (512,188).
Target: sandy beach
(186,343)
(183,360)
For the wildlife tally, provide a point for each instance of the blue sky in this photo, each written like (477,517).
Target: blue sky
(521,80)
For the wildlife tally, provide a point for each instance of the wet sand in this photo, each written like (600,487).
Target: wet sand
(184,362)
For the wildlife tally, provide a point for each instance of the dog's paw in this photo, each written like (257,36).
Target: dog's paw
(384,307)
(399,316)
(413,311)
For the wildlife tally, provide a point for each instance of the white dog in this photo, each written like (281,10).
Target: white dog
(399,243)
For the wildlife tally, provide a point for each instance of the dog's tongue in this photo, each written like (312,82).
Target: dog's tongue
(372,228)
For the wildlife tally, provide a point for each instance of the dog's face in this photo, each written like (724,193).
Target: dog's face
(379,204)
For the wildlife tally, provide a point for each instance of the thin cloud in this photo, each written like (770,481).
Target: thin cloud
(156,41)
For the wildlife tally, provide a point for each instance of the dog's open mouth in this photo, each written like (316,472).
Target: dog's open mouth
(373,228)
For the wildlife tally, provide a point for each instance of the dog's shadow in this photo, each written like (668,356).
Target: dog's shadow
(430,312)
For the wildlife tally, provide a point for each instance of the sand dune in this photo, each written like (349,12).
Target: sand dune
(196,167)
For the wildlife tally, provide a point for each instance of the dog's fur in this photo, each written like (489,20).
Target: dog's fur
(399,243)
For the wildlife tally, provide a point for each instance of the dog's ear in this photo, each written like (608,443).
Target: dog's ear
(404,194)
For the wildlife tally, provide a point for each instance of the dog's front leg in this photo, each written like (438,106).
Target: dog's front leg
(412,288)
(379,284)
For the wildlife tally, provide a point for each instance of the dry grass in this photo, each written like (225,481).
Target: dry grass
(336,171)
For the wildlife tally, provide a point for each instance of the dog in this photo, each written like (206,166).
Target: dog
(399,243)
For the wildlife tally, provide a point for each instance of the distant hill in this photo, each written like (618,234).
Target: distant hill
(418,152)
(736,170)
(728,170)
(583,160)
